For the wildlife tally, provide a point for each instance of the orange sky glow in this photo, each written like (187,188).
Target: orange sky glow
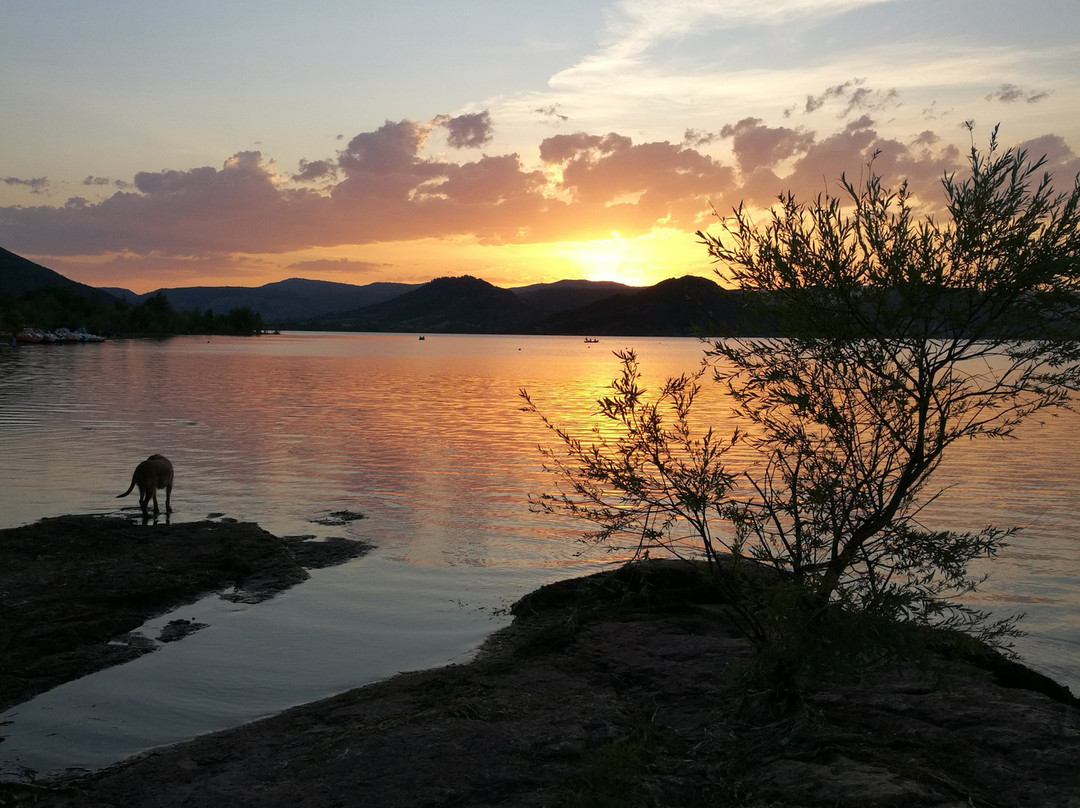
(587,139)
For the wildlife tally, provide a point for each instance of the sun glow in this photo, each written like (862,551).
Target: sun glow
(612,259)
(640,261)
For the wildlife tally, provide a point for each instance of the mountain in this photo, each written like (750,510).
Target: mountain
(19,276)
(463,305)
(680,307)
(552,298)
(684,306)
(294,300)
(687,306)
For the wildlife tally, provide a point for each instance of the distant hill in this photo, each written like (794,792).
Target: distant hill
(19,276)
(552,298)
(294,300)
(686,306)
(680,307)
(445,305)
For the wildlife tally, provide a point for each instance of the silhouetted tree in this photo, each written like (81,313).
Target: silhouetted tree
(900,336)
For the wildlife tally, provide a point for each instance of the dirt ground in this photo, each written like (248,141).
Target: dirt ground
(616,690)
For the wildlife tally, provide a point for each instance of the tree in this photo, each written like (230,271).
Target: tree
(650,477)
(894,338)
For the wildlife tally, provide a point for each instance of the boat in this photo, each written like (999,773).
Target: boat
(85,336)
(35,336)
(591,340)
(66,335)
(30,336)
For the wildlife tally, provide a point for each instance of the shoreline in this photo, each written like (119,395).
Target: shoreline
(74,588)
(619,685)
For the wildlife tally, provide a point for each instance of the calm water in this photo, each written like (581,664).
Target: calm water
(426,439)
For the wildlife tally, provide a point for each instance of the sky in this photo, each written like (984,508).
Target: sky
(148,145)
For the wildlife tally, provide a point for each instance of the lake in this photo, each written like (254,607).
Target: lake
(426,439)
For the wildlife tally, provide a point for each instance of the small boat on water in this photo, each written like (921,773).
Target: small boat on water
(591,340)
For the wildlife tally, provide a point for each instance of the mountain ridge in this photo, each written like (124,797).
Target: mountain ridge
(20,276)
(462,304)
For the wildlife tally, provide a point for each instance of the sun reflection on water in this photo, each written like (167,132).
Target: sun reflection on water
(428,441)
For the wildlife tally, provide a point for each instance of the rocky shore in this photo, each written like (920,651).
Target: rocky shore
(621,689)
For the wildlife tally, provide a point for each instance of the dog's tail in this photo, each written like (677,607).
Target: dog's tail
(130,487)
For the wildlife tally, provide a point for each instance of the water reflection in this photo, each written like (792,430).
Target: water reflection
(425,438)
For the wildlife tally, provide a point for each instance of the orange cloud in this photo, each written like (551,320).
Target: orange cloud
(383,187)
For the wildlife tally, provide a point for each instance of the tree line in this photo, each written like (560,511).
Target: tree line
(57,306)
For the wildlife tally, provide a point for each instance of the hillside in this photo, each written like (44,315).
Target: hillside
(294,300)
(686,306)
(20,276)
(445,305)
(553,298)
(680,307)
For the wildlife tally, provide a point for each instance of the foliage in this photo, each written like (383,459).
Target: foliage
(647,477)
(59,306)
(899,337)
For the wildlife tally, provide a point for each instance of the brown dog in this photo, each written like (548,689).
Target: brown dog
(151,475)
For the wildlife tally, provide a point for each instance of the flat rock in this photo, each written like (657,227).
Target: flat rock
(605,693)
(72,588)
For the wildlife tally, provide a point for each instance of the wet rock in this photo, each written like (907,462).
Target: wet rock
(636,704)
(178,629)
(71,585)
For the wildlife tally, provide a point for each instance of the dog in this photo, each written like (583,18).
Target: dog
(151,475)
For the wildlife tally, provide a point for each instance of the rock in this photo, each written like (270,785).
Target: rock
(71,585)
(638,703)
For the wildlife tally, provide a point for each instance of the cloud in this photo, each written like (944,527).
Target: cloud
(854,97)
(633,26)
(632,187)
(336,266)
(634,29)
(313,170)
(552,112)
(697,138)
(1061,162)
(173,212)
(391,149)
(101,182)
(163,271)
(37,185)
(468,131)
(489,181)
(561,148)
(1010,94)
(759,146)
(384,186)
(926,138)
(821,161)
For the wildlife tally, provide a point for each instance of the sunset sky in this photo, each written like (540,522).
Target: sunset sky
(147,145)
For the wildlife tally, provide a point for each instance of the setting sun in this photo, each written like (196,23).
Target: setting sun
(640,261)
